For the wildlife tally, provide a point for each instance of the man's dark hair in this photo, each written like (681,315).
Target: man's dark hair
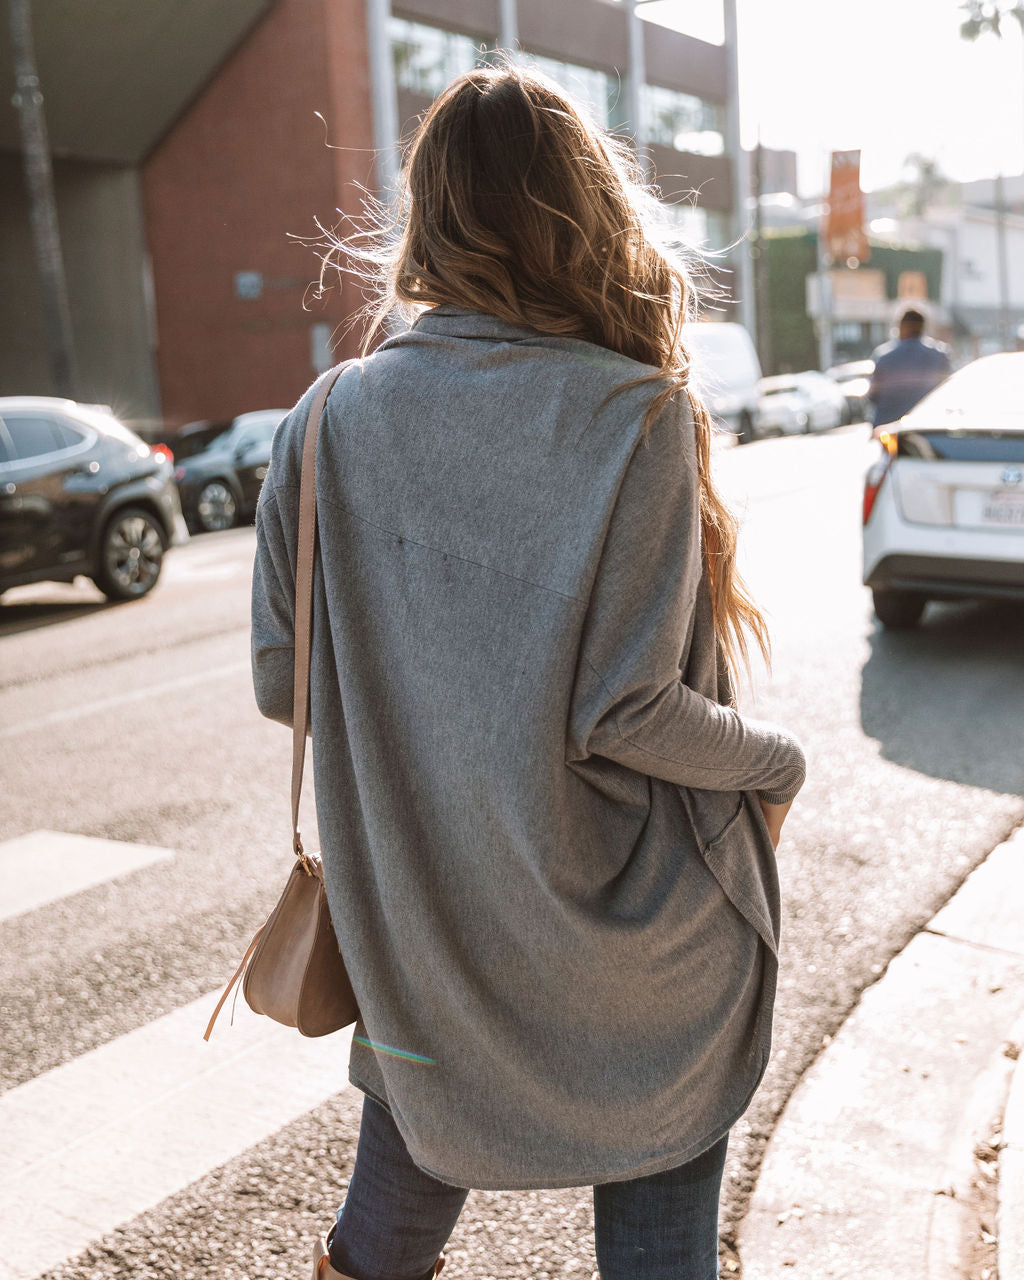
(913,321)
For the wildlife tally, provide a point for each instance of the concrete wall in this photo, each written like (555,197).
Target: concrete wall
(246,166)
(977,281)
(100,217)
(114,73)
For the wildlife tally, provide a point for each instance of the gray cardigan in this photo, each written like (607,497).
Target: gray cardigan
(545,861)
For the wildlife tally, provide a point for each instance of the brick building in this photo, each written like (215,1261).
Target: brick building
(193,143)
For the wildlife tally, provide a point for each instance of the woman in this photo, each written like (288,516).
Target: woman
(548,836)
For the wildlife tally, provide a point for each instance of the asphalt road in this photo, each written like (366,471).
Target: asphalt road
(136,723)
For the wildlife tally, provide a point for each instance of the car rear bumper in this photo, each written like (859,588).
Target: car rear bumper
(951,577)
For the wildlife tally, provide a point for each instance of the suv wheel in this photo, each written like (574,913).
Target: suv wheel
(898,609)
(216,508)
(131,555)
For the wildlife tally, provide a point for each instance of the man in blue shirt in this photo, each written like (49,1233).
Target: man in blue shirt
(906,370)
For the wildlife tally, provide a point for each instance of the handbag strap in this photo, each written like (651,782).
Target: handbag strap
(304,557)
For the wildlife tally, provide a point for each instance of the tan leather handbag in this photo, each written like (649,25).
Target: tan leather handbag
(293,969)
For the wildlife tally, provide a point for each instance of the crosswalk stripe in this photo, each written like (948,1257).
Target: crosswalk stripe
(95,1142)
(44,866)
(152,690)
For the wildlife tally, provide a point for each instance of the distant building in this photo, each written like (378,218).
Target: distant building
(188,152)
(865,302)
(965,226)
(953,245)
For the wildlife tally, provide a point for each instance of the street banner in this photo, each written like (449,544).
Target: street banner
(844,223)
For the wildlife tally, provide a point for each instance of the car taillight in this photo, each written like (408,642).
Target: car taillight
(163,451)
(877,472)
(179,474)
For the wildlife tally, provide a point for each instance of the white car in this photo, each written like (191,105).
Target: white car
(725,374)
(793,402)
(781,409)
(853,380)
(944,503)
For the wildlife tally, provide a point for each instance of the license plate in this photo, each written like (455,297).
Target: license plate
(1002,510)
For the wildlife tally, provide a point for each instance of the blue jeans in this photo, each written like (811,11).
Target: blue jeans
(396,1218)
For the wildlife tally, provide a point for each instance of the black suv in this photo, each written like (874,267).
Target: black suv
(220,467)
(81,494)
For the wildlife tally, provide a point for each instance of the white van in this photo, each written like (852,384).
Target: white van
(726,372)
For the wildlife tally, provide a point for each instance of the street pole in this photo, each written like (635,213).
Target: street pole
(1002,266)
(760,279)
(743,274)
(42,204)
(825,304)
(509,38)
(635,81)
(383,96)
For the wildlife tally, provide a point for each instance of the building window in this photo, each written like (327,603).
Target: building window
(596,90)
(696,227)
(683,122)
(427,59)
(849,332)
(690,223)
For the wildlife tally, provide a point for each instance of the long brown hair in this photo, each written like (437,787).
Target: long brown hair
(514,203)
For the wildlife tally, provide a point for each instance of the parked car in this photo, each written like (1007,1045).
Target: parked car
(81,494)
(944,502)
(726,372)
(853,380)
(220,467)
(810,399)
(781,409)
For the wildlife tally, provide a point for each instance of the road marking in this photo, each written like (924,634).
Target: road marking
(206,570)
(45,866)
(121,699)
(93,1143)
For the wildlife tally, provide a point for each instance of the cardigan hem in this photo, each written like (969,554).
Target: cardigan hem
(655,1164)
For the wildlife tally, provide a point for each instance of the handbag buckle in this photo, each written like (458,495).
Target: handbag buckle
(300,853)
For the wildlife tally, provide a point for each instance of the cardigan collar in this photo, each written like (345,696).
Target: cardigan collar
(460,322)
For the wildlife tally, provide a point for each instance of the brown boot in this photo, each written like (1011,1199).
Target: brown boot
(322,1269)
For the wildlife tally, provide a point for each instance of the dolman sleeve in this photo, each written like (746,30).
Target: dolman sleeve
(630,703)
(273,576)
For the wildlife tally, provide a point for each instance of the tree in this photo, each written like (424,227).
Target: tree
(988,15)
(925,184)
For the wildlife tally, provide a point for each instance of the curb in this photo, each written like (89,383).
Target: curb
(871,1169)
(1011,1173)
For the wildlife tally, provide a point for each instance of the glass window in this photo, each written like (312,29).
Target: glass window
(595,89)
(699,228)
(254,435)
(719,230)
(691,223)
(68,435)
(32,436)
(428,58)
(683,122)
(846,331)
(195,439)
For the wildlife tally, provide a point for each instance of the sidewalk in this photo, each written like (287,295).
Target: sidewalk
(884,1162)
